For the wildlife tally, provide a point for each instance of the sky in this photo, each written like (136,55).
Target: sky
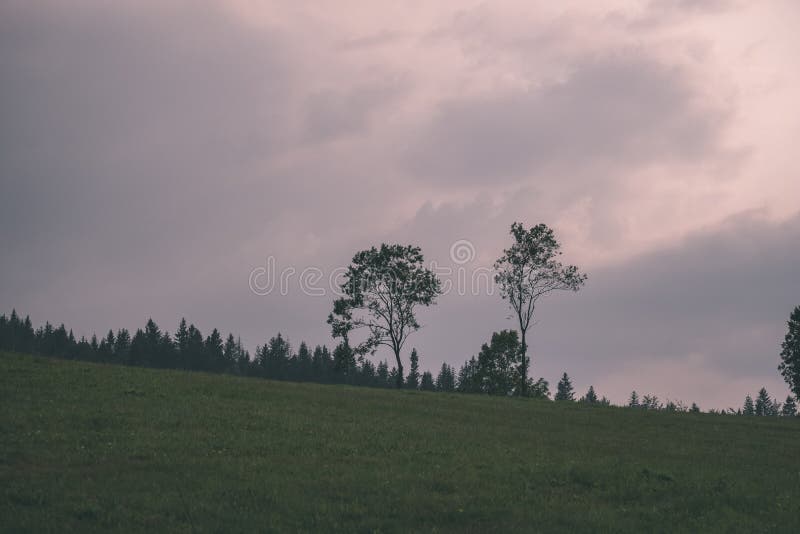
(157,158)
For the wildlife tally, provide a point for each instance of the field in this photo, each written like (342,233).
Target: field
(96,448)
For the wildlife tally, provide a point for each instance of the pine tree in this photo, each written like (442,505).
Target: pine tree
(426,383)
(765,406)
(565,391)
(633,401)
(344,362)
(749,407)
(367,374)
(182,344)
(468,378)
(412,380)
(215,353)
(695,408)
(382,374)
(789,407)
(590,397)
(446,380)
(304,362)
(230,353)
(393,378)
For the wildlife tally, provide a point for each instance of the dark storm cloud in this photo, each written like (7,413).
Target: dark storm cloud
(619,111)
(723,294)
(126,131)
(153,153)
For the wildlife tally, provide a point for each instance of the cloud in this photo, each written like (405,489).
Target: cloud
(153,153)
(618,111)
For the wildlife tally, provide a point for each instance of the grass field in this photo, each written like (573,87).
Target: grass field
(97,448)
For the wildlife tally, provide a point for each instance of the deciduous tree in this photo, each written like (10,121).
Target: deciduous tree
(528,271)
(382,289)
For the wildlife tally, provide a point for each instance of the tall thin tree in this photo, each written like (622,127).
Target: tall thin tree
(528,271)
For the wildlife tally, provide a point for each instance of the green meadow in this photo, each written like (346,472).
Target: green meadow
(88,447)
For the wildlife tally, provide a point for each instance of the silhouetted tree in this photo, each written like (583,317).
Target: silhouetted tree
(344,362)
(412,380)
(468,378)
(633,400)
(695,408)
(382,287)
(272,358)
(426,383)
(446,379)
(789,407)
(526,272)
(382,374)
(539,389)
(590,397)
(765,405)
(565,391)
(790,353)
(322,364)
(749,408)
(497,372)
(182,345)
(304,362)
(650,402)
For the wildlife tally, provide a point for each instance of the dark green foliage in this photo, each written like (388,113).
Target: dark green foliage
(468,378)
(633,400)
(99,448)
(564,391)
(412,380)
(382,373)
(749,408)
(539,389)
(789,407)
(651,402)
(382,287)
(590,397)
(526,272)
(446,379)
(765,405)
(426,383)
(498,364)
(790,353)
(695,408)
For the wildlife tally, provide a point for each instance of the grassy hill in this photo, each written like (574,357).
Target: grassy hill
(97,448)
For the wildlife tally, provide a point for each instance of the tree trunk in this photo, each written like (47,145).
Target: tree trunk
(399,379)
(524,364)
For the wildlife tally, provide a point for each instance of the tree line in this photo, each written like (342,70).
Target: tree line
(380,292)
(491,372)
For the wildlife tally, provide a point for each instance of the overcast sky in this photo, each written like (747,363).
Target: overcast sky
(153,154)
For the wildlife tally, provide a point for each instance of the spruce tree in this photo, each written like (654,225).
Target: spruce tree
(446,380)
(789,407)
(765,406)
(590,397)
(633,400)
(426,383)
(382,374)
(412,380)
(344,362)
(749,407)
(304,362)
(230,353)
(564,390)
(215,352)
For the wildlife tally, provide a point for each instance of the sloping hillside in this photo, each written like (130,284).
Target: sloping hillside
(94,447)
